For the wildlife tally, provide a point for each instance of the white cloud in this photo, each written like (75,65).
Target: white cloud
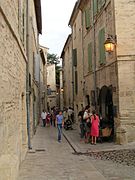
(55,18)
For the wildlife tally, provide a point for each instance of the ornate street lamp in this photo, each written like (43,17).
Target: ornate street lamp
(110,44)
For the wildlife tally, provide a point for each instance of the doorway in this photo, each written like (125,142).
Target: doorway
(106,109)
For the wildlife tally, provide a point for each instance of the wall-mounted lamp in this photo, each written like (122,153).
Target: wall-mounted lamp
(110,43)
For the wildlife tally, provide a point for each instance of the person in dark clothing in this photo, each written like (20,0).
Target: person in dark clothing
(82,125)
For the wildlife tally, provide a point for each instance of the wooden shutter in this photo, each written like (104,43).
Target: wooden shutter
(100,4)
(95,7)
(76,82)
(87,18)
(74,57)
(89,56)
(101,38)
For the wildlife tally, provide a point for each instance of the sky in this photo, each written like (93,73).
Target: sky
(55,19)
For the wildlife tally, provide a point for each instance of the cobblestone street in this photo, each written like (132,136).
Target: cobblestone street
(50,160)
(113,161)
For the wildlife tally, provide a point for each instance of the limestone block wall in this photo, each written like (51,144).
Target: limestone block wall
(77,44)
(13,129)
(68,74)
(125,25)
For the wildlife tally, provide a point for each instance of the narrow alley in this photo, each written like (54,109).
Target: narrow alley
(50,160)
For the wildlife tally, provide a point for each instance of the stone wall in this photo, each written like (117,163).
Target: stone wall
(13,129)
(68,74)
(77,44)
(125,25)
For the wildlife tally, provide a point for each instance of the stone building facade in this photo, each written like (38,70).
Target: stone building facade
(16,74)
(67,73)
(108,78)
(51,86)
(43,77)
(75,23)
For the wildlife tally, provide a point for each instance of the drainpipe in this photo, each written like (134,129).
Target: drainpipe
(73,96)
(94,67)
(82,22)
(27,76)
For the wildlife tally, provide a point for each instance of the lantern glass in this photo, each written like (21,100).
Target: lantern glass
(109,47)
(109,44)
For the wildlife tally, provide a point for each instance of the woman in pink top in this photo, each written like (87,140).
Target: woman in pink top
(94,127)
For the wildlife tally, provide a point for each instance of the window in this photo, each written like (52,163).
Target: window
(76,82)
(101,3)
(89,56)
(95,7)
(74,57)
(87,18)
(75,31)
(101,39)
(22,20)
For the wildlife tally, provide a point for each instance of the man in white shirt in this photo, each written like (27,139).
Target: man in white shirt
(70,114)
(43,117)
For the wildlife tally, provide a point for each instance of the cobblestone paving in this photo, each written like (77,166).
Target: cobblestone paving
(114,162)
(114,171)
(50,160)
(123,156)
(111,165)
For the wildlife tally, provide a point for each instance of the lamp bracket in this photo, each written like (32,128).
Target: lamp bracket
(113,37)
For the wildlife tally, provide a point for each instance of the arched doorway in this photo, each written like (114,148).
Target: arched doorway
(106,108)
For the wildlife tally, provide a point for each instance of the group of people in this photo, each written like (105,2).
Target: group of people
(89,122)
(89,125)
(46,118)
(53,118)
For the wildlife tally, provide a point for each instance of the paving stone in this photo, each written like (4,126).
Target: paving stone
(57,162)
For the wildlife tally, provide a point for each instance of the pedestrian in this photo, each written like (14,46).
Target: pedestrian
(82,126)
(65,114)
(59,124)
(94,127)
(71,114)
(87,120)
(51,117)
(43,117)
(48,117)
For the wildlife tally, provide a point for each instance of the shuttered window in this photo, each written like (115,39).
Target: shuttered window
(74,57)
(95,7)
(87,18)
(101,39)
(89,56)
(76,82)
(100,4)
